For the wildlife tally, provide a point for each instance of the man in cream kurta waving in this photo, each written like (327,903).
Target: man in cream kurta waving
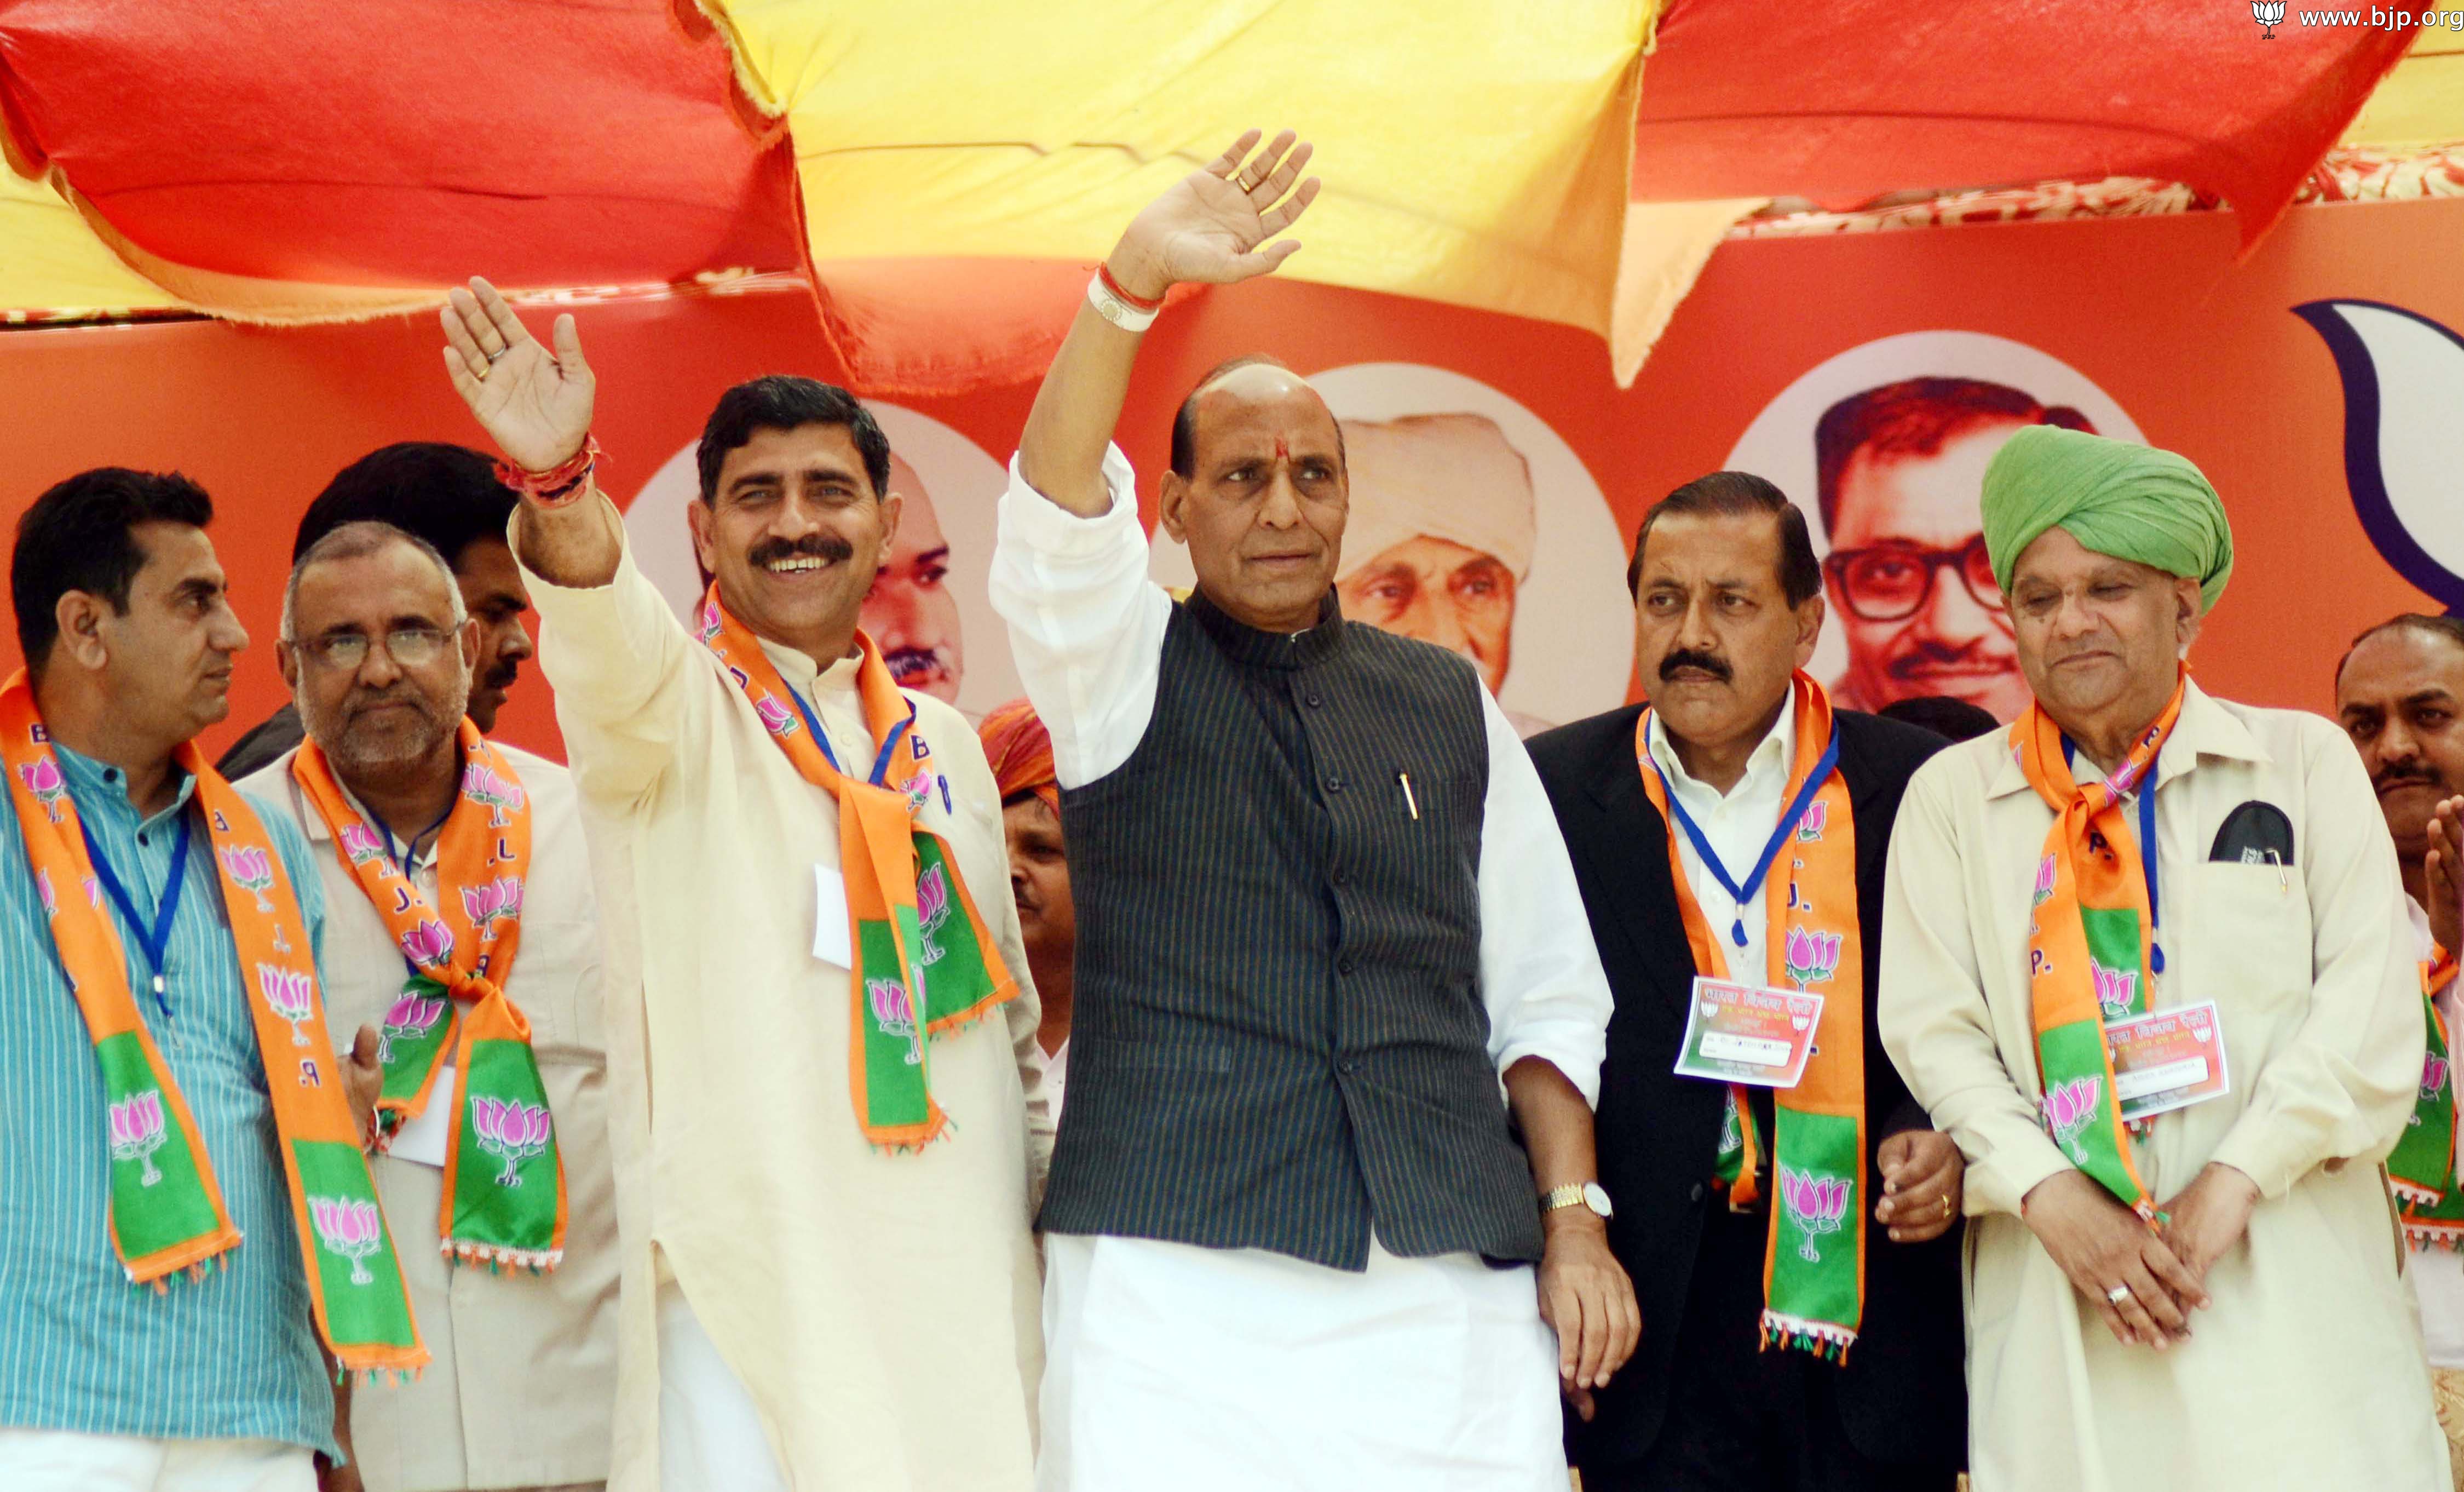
(825,1151)
(2144,957)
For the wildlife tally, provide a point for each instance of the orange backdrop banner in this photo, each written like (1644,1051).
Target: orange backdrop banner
(1497,471)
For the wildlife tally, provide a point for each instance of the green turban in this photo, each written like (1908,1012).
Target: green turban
(2131,502)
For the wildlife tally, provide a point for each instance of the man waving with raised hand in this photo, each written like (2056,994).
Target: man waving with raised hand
(822,1144)
(1324,916)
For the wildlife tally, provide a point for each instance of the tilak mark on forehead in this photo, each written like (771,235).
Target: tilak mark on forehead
(1283,448)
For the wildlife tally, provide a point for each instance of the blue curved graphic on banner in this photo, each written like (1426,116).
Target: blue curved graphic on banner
(2365,472)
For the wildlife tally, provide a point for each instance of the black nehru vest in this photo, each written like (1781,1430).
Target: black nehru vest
(1279,1040)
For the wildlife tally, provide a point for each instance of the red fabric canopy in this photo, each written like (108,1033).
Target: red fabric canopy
(1847,100)
(404,143)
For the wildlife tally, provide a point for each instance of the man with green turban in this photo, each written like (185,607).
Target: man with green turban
(2145,958)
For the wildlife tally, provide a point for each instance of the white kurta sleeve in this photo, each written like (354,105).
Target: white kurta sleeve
(2344,1087)
(1540,972)
(619,662)
(1086,622)
(1932,1013)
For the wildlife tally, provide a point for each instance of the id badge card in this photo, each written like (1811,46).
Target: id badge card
(422,1141)
(2166,1060)
(1738,1033)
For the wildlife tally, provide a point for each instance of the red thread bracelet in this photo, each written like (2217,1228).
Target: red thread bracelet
(1104,273)
(559,485)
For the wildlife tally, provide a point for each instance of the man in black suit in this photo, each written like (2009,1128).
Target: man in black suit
(1860,1388)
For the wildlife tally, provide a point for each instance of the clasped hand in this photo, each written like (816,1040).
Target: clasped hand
(2144,1282)
(1587,1298)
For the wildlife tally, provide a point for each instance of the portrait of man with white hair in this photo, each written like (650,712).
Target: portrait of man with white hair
(1439,536)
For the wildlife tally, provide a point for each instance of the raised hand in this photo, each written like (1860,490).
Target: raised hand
(1212,226)
(536,405)
(2442,874)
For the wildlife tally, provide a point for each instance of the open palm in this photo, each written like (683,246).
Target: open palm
(535,404)
(1209,228)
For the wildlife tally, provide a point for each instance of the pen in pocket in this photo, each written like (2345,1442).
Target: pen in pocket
(1409,801)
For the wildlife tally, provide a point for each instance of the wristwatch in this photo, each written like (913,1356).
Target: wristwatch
(1580,1193)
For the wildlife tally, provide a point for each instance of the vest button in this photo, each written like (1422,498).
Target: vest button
(1695,1196)
(1314,701)
(1335,785)
(1343,967)
(1343,878)
(1347,1068)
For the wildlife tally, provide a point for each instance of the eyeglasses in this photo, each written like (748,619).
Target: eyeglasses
(409,647)
(1892,582)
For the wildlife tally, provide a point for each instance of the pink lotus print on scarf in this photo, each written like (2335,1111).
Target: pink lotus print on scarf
(289,994)
(896,1015)
(137,1131)
(2116,989)
(430,944)
(2070,1108)
(361,843)
(488,904)
(2044,882)
(920,791)
(251,869)
(1817,1202)
(481,785)
(931,910)
(780,720)
(1810,824)
(42,778)
(512,1131)
(43,889)
(349,1230)
(709,627)
(2434,1077)
(1813,957)
(409,1017)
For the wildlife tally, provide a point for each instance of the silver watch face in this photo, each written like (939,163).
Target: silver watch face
(1596,1197)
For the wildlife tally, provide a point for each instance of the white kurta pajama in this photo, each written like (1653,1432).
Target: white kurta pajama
(875,1314)
(1240,1369)
(2307,1371)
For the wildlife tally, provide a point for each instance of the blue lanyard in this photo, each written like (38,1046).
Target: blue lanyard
(402,862)
(2146,851)
(1742,895)
(889,742)
(154,941)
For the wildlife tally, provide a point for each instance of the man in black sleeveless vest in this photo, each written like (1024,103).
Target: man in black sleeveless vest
(1324,918)
(1780,1358)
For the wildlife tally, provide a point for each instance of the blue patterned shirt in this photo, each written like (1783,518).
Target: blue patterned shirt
(233,1355)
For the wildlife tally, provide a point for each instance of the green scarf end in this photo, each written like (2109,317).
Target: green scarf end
(1828,1340)
(500,1258)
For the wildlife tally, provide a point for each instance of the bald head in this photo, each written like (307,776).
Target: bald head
(1257,491)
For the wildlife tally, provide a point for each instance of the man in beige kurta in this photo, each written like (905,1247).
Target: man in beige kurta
(522,1378)
(800,1309)
(2261,1336)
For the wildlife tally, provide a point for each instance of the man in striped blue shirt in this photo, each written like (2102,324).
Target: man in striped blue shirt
(217,1382)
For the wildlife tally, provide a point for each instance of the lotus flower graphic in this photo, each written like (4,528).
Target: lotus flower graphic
(413,1015)
(710,621)
(2403,435)
(777,717)
(482,786)
(487,904)
(43,889)
(289,994)
(349,1229)
(2044,882)
(1810,826)
(512,1131)
(2269,13)
(360,844)
(1817,1202)
(251,869)
(920,791)
(2070,1108)
(897,1016)
(1732,1135)
(2116,989)
(1811,956)
(42,778)
(137,1131)
(2434,1077)
(428,944)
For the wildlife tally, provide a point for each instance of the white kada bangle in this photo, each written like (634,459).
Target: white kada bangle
(1113,308)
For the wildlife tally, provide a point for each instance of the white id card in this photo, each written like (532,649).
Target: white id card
(422,1141)
(830,917)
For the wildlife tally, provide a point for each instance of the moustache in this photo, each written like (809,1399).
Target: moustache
(499,676)
(1928,655)
(1686,657)
(829,547)
(361,702)
(908,664)
(2422,775)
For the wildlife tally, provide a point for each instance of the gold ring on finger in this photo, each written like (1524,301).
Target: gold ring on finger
(1946,1209)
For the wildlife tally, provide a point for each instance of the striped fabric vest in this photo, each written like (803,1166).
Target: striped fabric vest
(1279,1039)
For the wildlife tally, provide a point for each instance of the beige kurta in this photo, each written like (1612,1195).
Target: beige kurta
(882,1310)
(522,1372)
(2307,1371)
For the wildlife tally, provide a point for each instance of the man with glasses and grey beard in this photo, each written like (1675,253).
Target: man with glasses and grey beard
(1897,474)
(464,925)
